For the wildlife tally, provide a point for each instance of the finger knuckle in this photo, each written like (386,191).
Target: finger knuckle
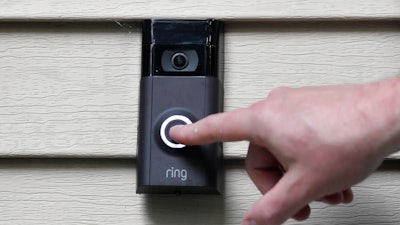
(279,91)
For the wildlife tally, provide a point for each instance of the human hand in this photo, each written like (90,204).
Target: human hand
(306,144)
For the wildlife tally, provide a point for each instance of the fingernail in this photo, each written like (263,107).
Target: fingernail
(250,222)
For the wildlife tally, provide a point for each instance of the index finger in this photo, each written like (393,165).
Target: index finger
(235,125)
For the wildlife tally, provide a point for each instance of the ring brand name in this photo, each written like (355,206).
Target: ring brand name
(176,173)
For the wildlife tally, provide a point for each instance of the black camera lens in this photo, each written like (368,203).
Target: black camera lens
(179,61)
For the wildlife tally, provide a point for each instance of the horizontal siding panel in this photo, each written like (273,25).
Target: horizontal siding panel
(225,9)
(71,89)
(103,192)
(68,91)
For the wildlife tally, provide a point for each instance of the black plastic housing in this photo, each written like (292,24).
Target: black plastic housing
(195,92)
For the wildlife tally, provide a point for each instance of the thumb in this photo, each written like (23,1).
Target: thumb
(282,202)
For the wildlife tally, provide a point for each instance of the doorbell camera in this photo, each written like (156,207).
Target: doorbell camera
(181,82)
(179,61)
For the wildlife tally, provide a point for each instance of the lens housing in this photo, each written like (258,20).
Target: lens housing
(179,61)
(182,61)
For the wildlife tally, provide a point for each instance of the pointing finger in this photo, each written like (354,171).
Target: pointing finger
(286,199)
(235,125)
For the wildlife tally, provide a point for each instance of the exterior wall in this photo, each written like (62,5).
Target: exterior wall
(71,89)
(102,191)
(226,9)
(69,76)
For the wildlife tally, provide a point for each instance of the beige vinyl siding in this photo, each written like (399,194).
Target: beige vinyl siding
(225,9)
(102,191)
(71,89)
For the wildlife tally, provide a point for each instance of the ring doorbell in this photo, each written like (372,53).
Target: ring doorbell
(181,83)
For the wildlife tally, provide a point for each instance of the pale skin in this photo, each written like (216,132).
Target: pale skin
(307,144)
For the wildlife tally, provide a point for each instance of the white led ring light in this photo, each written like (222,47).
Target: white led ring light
(164,127)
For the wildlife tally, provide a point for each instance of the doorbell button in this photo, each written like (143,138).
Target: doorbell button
(167,124)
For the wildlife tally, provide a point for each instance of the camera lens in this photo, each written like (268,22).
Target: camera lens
(179,61)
